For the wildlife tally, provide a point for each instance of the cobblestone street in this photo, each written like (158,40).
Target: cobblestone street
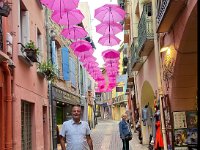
(106,137)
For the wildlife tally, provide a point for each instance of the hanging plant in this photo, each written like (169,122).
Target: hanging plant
(31,51)
(5,9)
(49,70)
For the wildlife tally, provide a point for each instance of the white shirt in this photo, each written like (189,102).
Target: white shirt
(75,134)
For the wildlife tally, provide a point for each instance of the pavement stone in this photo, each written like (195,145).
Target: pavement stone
(105,136)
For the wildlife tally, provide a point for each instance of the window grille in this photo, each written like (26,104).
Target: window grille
(26,125)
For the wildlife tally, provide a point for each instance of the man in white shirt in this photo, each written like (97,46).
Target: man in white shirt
(76,132)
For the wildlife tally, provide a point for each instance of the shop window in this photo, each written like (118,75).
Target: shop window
(26,125)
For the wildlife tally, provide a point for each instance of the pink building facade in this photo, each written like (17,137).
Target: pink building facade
(29,102)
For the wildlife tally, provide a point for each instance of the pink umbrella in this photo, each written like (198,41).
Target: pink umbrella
(86,57)
(109,40)
(109,28)
(74,33)
(60,4)
(110,54)
(109,13)
(78,43)
(67,17)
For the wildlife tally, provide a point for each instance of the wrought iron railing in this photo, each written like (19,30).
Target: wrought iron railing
(134,55)
(161,9)
(145,29)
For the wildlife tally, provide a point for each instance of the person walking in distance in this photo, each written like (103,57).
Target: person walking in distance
(125,132)
(76,132)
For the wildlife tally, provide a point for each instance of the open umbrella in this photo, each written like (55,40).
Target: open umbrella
(109,40)
(74,45)
(109,28)
(109,13)
(110,54)
(74,33)
(67,17)
(60,4)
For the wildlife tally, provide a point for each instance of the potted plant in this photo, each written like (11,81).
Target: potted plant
(31,51)
(48,69)
(5,9)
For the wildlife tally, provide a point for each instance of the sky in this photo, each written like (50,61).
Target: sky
(93,4)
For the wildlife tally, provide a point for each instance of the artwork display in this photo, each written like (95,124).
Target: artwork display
(191,119)
(185,130)
(180,137)
(181,148)
(179,120)
(192,135)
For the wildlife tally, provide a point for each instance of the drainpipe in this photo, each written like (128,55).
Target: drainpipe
(157,60)
(8,100)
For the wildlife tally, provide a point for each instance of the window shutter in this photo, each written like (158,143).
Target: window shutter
(65,63)
(25,27)
(72,71)
(53,52)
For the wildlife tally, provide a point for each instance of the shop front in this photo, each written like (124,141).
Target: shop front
(62,103)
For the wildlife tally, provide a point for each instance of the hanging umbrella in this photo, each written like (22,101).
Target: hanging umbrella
(109,40)
(109,28)
(110,54)
(74,45)
(60,4)
(86,57)
(67,17)
(74,33)
(109,13)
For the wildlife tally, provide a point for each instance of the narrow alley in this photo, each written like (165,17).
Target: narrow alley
(106,137)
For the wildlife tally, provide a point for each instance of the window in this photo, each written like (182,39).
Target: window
(89,84)
(72,71)
(81,79)
(54,54)
(24,24)
(26,125)
(39,44)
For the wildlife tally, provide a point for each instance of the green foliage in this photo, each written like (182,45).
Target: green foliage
(49,70)
(31,46)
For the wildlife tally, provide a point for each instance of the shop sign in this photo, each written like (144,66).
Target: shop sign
(64,96)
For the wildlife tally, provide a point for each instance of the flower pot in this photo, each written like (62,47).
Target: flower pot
(31,54)
(5,10)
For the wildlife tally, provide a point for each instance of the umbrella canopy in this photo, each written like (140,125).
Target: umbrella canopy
(74,33)
(110,54)
(109,13)
(109,40)
(109,28)
(60,4)
(67,17)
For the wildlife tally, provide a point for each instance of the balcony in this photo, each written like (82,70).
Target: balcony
(145,32)
(130,81)
(120,99)
(136,60)
(167,13)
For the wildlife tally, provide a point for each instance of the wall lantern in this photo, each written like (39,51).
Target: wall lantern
(168,63)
